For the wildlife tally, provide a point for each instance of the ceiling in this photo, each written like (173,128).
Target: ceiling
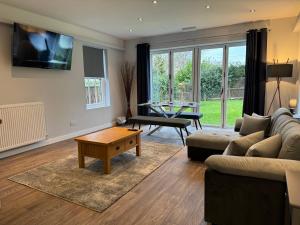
(116,17)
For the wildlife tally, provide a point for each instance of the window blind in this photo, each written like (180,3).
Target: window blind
(93,62)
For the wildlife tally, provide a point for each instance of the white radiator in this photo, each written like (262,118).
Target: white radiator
(21,124)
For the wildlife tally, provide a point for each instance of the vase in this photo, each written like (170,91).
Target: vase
(128,114)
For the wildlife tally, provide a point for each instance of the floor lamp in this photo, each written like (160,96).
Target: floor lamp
(278,71)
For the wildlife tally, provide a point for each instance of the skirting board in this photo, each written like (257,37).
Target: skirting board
(49,141)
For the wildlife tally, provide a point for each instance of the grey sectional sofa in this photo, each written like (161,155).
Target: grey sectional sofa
(248,190)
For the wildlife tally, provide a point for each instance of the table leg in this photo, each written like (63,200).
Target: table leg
(154,130)
(80,156)
(107,166)
(138,146)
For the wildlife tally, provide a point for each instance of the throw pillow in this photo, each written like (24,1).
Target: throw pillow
(252,124)
(240,146)
(268,148)
(267,131)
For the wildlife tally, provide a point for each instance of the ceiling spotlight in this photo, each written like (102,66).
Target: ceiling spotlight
(154,1)
(140,19)
(252,10)
(207,6)
(130,30)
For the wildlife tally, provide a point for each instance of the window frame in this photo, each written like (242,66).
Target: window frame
(103,82)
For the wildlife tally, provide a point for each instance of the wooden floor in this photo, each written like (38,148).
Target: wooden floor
(172,195)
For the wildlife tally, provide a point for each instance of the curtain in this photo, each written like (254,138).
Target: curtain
(255,70)
(143,77)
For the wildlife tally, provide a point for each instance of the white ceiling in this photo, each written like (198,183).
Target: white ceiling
(115,17)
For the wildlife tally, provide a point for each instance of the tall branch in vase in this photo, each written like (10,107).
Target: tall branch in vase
(127,72)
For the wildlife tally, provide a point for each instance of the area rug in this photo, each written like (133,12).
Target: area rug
(89,187)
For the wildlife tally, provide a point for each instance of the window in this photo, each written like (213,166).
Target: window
(213,76)
(95,78)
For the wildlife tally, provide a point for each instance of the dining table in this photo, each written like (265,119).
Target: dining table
(160,108)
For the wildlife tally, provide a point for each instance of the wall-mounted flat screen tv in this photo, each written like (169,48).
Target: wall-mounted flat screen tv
(35,47)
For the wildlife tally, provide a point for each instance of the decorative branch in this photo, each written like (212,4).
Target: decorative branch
(127,72)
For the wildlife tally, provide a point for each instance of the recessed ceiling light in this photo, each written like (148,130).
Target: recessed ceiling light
(252,10)
(140,19)
(207,6)
(154,1)
(130,30)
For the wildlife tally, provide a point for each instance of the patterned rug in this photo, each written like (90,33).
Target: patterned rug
(89,187)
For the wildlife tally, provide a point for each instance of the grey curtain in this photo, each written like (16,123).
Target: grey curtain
(143,76)
(255,70)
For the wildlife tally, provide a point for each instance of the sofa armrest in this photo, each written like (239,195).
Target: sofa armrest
(265,168)
(238,124)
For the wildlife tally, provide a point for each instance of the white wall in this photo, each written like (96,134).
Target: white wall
(283,43)
(61,91)
(10,14)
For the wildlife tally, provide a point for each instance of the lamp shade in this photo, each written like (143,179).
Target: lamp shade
(293,103)
(280,70)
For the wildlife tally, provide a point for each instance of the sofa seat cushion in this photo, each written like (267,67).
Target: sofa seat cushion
(217,140)
(240,146)
(268,148)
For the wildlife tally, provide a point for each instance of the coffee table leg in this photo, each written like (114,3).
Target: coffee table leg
(80,156)
(138,147)
(107,166)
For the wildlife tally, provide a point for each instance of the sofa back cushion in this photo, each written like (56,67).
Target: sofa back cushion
(267,148)
(252,124)
(290,132)
(278,117)
(240,146)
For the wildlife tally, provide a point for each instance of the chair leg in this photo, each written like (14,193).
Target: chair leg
(187,132)
(195,121)
(150,127)
(139,126)
(133,125)
(200,124)
(182,137)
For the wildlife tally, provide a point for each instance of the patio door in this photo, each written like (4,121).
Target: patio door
(222,80)
(172,76)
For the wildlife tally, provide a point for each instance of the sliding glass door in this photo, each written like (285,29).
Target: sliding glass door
(235,83)
(211,85)
(222,81)
(212,75)
(182,76)
(160,80)
(171,76)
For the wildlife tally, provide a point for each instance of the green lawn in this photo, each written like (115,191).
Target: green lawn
(212,111)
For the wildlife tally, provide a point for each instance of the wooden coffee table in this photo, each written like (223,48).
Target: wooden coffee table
(106,144)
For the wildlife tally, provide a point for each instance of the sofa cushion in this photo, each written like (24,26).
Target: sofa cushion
(265,168)
(240,146)
(291,141)
(217,140)
(274,119)
(252,124)
(268,148)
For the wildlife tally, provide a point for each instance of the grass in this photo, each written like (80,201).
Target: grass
(211,110)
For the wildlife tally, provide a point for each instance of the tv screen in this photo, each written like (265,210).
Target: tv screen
(35,47)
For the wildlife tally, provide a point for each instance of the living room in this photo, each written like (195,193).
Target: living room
(150,112)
